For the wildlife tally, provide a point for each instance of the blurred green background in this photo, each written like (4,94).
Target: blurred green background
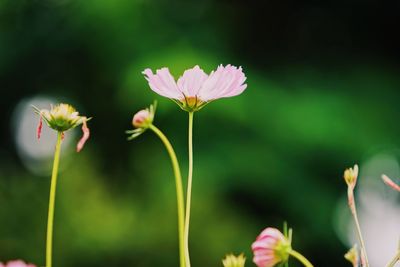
(323,90)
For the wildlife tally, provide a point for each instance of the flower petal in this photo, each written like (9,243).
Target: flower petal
(85,137)
(191,81)
(224,82)
(39,129)
(390,183)
(163,83)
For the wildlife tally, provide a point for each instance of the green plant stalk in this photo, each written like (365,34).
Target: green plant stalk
(300,258)
(189,188)
(53,186)
(179,192)
(394,260)
(360,238)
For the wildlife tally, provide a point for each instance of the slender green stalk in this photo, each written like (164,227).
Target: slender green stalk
(360,238)
(394,260)
(301,258)
(179,192)
(53,186)
(189,188)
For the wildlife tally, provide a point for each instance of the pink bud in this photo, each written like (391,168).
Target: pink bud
(270,248)
(142,118)
(85,137)
(16,263)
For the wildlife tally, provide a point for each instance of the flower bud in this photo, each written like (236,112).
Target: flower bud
(270,248)
(350,176)
(352,256)
(234,261)
(142,119)
(16,263)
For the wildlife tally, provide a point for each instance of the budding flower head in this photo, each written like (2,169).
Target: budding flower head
(350,176)
(352,256)
(16,263)
(61,118)
(234,261)
(142,120)
(271,247)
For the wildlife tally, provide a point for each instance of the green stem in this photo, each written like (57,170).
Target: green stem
(395,259)
(179,192)
(189,188)
(53,185)
(360,238)
(301,258)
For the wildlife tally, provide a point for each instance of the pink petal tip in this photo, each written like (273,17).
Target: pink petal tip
(39,129)
(85,137)
(390,182)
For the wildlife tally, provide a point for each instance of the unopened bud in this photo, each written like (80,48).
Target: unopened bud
(142,119)
(270,248)
(16,263)
(350,176)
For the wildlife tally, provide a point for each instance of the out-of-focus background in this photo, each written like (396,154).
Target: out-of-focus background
(323,94)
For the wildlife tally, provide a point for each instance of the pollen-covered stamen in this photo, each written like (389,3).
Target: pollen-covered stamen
(39,128)
(191,101)
(85,137)
(390,183)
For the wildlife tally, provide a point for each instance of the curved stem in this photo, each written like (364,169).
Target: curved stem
(179,192)
(364,258)
(53,185)
(189,188)
(394,260)
(301,258)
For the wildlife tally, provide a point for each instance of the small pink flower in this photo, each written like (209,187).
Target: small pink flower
(390,183)
(140,118)
(16,263)
(270,248)
(195,88)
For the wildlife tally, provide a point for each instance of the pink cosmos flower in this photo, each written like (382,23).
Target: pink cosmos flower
(195,88)
(390,183)
(270,248)
(16,263)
